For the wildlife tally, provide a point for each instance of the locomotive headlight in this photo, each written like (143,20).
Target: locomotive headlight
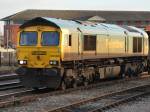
(22,62)
(53,62)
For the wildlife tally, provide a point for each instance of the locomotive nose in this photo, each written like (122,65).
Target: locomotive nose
(37,58)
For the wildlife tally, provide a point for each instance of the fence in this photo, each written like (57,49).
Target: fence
(8,59)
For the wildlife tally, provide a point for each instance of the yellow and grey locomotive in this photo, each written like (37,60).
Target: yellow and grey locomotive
(64,53)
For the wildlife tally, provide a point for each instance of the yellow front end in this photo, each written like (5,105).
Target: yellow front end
(39,56)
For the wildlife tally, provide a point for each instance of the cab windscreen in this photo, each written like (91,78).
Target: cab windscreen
(28,38)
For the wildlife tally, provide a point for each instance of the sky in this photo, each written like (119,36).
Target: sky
(9,7)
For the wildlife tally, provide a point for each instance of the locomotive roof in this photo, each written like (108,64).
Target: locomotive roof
(83,26)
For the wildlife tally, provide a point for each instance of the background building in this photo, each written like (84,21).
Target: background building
(12,22)
(1,39)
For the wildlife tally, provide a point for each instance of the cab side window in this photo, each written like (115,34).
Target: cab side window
(68,40)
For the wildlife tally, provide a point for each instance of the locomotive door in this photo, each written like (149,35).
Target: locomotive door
(126,42)
(80,45)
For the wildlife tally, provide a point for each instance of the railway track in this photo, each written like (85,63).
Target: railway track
(10,86)
(106,101)
(16,99)
(9,81)
(13,94)
(6,72)
(8,76)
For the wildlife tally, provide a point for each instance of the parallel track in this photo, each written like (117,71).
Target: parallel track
(106,101)
(8,76)
(16,99)
(10,86)
(9,81)
(13,94)
(6,72)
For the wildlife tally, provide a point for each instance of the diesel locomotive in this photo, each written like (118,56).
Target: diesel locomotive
(57,53)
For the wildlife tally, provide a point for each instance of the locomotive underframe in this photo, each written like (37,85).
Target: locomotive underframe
(93,70)
(82,72)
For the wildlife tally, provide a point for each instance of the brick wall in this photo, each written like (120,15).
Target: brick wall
(10,35)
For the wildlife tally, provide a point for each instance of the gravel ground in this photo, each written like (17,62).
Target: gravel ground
(141,105)
(51,102)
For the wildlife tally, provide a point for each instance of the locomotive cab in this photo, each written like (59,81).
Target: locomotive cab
(35,47)
(38,54)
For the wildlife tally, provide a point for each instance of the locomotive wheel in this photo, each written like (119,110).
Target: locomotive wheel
(129,72)
(122,75)
(85,83)
(91,79)
(74,85)
(139,69)
(63,86)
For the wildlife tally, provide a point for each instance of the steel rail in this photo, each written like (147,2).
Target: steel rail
(119,102)
(33,97)
(75,106)
(10,84)
(8,76)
